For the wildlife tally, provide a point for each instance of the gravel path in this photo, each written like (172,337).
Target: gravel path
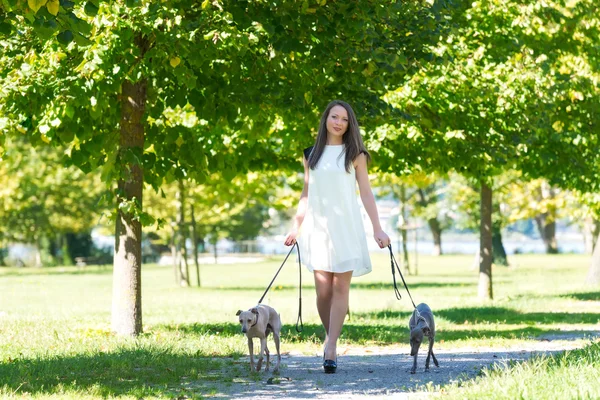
(368,373)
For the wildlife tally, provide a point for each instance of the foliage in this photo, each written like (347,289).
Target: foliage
(234,209)
(41,198)
(516,199)
(512,98)
(245,72)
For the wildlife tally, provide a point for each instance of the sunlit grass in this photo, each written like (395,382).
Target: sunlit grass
(570,375)
(55,337)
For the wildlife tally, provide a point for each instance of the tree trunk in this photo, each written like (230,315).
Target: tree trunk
(498,251)
(127,279)
(547,229)
(38,257)
(215,250)
(3,251)
(591,231)
(546,222)
(185,273)
(38,253)
(485,244)
(404,233)
(195,244)
(66,257)
(436,231)
(416,263)
(174,256)
(593,277)
(434,226)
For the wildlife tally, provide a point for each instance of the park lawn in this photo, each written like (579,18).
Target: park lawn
(569,375)
(55,337)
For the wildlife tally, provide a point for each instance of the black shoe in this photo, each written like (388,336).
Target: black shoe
(329,366)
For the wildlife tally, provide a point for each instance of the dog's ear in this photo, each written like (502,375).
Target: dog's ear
(254,311)
(238,312)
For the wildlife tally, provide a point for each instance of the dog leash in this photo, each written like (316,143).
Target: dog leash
(393,261)
(299,320)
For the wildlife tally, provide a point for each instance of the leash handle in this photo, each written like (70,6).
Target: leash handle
(299,321)
(394,267)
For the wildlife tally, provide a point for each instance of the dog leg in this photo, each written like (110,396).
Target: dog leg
(434,359)
(276,339)
(429,353)
(414,367)
(268,354)
(251,350)
(263,343)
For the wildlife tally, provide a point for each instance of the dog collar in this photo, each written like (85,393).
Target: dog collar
(254,324)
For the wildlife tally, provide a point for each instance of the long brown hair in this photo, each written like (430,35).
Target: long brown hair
(351,139)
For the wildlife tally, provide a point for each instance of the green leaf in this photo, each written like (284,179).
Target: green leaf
(209,35)
(65,38)
(67,4)
(81,40)
(5,28)
(308,97)
(52,7)
(146,219)
(90,9)
(69,111)
(148,160)
(35,5)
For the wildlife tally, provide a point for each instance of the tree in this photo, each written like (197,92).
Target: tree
(423,194)
(567,117)
(103,77)
(465,199)
(221,209)
(492,108)
(539,201)
(42,200)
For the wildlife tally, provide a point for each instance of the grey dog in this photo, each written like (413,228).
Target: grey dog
(421,324)
(258,322)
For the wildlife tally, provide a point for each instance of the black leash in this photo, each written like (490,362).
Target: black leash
(299,320)
(393,261)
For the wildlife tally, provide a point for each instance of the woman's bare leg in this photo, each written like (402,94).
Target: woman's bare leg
(339,307)
(324,286)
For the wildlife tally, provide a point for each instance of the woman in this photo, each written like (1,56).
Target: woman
(333,242)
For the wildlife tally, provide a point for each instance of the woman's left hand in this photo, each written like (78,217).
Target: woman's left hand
(382,239)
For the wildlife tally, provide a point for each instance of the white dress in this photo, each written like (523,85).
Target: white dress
(332,236)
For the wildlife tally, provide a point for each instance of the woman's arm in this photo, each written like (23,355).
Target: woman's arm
(290,239)
(368,200)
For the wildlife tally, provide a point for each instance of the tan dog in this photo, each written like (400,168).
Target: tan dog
(258,322)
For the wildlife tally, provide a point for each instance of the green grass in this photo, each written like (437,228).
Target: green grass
(55,338)
(570,375)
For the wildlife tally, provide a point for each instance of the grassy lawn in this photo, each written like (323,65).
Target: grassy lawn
(55,338)
(570,375)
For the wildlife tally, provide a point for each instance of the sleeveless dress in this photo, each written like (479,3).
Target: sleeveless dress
(332,236)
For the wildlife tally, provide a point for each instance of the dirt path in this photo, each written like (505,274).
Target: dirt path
(368,372)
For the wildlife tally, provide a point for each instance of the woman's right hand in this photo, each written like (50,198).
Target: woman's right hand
(290,239)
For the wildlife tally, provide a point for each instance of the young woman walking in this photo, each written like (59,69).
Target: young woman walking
(333,243)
